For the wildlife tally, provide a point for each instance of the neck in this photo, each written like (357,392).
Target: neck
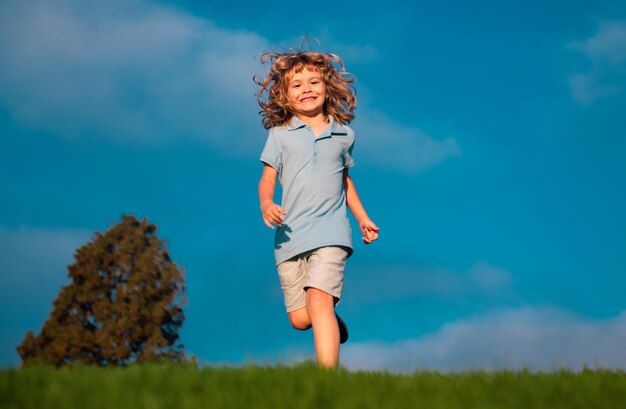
(316,121)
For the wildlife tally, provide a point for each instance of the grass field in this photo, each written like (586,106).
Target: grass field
(303,386)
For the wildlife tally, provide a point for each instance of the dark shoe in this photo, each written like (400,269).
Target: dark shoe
(343,330)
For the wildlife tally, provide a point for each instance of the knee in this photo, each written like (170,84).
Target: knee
(319,302)
(299,320)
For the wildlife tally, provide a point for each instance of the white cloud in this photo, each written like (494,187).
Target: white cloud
(128,70)
(533,338)
(609,44)
(489,278)
(33,267)
(401,281)
(388,144)
(607,53)
(33,263)
(586,88)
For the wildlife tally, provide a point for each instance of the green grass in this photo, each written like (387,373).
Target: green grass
(303,386)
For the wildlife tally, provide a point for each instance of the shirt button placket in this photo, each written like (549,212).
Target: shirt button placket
(314,147)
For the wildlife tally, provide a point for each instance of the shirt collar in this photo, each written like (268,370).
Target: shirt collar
(334,127)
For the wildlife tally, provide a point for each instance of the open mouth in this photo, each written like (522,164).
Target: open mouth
(307,99)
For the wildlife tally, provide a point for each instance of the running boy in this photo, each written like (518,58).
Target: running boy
(306,105)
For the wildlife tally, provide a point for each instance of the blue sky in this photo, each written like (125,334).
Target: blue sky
(490,149)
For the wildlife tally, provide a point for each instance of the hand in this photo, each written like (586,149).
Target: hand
(273,213)
(369,230)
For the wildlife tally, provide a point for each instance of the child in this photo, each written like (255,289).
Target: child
(306,110)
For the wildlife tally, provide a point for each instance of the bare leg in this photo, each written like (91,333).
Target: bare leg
(300,319)
(320,307)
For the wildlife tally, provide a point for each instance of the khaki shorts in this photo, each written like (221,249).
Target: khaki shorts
(321,268)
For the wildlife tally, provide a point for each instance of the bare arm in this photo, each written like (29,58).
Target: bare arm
(367,226)
(272,213)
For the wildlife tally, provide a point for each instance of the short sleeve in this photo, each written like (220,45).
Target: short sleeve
(348,162)
(271,154)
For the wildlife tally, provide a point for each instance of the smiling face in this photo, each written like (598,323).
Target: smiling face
(306,92)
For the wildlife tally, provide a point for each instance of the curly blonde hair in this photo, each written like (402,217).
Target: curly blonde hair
(272,97)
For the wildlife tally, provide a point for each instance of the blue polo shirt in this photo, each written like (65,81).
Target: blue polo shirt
(310,171)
